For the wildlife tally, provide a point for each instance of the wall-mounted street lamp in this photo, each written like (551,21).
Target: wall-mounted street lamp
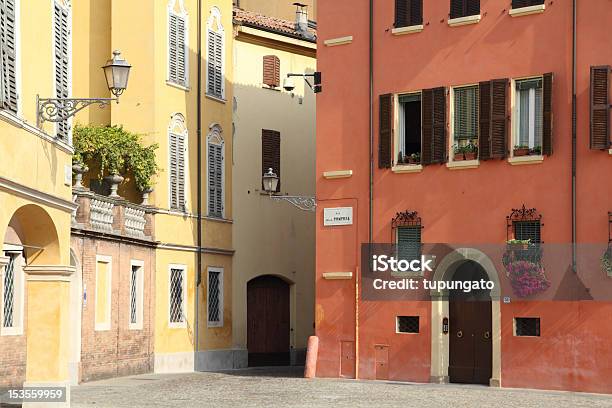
(316,86)
(270,182)
(116,71)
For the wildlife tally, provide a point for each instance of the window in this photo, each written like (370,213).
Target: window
(8,43)
(532,116)
(178,50)
(216,181)
(215,52)
(12,290)
(136,294)
(527,230)
(465,121)
(527,326)
(408,13)
(62,56)
(103,293)
(215,297)
(177,142)
(271,71)
(270,154)
(525,3)
(407,324)
(407,228)
(600,107)
(177,287)
(464,8)
(409,123)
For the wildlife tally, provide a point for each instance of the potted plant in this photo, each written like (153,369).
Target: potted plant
(606,261)
(400,158)
(468,151)
(142,163)
(537,151)
(414,158)
(527,278)
(521,150)
(519,243)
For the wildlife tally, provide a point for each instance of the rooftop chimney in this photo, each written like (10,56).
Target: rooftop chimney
(301,20)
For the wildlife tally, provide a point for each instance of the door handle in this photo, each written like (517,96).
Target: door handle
(487,335)
(459,334)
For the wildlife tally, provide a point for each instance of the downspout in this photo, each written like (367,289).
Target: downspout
(574,136)
(199,181)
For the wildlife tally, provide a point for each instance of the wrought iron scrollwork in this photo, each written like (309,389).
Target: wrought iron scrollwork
(59,109)
(406,219)
(301,202)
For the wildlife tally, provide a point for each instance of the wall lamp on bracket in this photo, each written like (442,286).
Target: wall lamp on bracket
(316,86)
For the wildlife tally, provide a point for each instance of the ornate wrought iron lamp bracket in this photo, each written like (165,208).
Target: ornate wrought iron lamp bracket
(302,202)
(59,109)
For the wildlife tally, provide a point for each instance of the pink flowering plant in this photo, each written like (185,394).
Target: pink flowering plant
(527,278)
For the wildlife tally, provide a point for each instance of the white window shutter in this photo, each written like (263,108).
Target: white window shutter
(181,172)
(61,21)
(181,52)
(212,192)
(8,48)
(173,187)
(219,180)
(210,77)
(172,48)
(219,65)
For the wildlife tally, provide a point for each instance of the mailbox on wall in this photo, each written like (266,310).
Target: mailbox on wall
(445,325)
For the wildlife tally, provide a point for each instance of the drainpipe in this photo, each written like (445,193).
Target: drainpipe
(574,132)
(199,177)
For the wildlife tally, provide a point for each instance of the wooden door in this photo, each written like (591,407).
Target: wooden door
(471,347)
(268,322)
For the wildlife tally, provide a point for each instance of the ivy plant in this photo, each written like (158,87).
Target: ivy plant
(115,151)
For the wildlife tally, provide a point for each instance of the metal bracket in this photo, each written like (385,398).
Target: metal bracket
(301,202)
(59,109)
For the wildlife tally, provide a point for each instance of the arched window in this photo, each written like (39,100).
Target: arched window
(215,54)
(178,50)
(62,57)
(215,174)
(177,162)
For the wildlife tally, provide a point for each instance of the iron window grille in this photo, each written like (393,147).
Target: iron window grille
(524,224)
(176,295)
(9,293)
(408,324)
(134,295)
(527,326)
(214,298)
(406,229)
(609,228)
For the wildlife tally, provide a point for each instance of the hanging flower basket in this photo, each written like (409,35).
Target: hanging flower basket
(527,278)
(606,261)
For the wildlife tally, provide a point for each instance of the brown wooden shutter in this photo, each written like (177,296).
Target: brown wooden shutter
(271,71)
(427,125)
(600,107)
(525,3)
(385,131)
(402,13)
(499,122)
(270,154)
(416,12)
(439,150)
(484,139)
(463,8)
(547,125)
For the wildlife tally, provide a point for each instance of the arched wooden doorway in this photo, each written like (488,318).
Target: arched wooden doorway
(471,346)
(268,321)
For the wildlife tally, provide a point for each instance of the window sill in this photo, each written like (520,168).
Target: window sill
(337,174)
(338,41)
(135,327)
(217,219)
(407,168)
(337,275)
(178,86)
(216,98)
(177,325)
(407,30)
(525,11)
(269,88)
(102,327)
(11,331)
(463,164)
(521,160)
(610,152)
(460,21)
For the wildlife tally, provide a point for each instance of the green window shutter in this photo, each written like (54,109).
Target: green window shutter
(600,107)
(409,242)
(61,28)
(547,125)
(270,154)
(385,133)
(8,27)
(498,135)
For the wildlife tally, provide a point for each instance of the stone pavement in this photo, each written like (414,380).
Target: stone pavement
(283,387)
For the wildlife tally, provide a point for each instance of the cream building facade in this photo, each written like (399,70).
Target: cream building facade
(273,283)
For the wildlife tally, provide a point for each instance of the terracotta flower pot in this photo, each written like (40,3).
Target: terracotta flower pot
(521,152)
(469,156)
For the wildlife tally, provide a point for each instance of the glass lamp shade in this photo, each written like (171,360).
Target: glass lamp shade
(270,181)
(117,72)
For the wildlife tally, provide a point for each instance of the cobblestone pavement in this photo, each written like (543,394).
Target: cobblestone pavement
(283,387)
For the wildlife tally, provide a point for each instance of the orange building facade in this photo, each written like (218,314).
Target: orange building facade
(454,119)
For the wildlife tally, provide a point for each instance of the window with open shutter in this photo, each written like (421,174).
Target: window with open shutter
(216,159)
(271,154)
(464,8)
(434,126)
(8,44)
(62,38)
(600,107)
(385,131)
(547,115)
(271,71)
(177,45)
(408,13)
(526,3)
(177,171)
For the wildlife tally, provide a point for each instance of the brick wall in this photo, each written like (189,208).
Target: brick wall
(119,351)
(13,352)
